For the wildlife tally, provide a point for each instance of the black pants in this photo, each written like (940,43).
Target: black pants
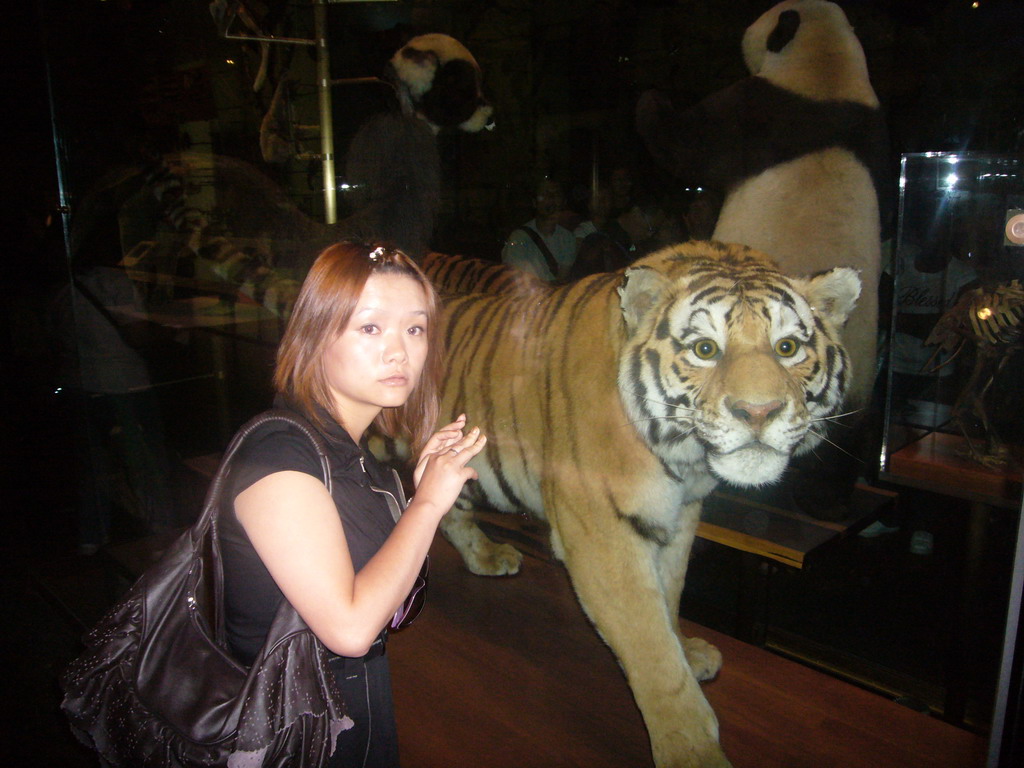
(366,688)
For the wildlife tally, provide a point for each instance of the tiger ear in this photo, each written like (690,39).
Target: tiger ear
(641,289)
(833,294)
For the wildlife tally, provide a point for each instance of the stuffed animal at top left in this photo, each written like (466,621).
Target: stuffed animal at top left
(393,161)
(438,80)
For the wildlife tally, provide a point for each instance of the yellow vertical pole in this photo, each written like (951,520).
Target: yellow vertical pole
(323,87)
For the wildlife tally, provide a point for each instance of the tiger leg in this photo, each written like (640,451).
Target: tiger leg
(615,575)
(673,560)
(481,555)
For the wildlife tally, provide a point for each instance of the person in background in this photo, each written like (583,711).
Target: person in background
(600,243)
(542,246)
(643,228)
(599,207)
(119,426)
(361,351)
(621,185)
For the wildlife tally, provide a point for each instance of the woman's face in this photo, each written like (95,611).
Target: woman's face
(377,359)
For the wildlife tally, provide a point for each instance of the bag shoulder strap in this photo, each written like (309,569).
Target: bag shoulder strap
(549,257)
(287,619)
(277,414)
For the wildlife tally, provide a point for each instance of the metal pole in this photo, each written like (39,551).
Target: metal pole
(323,87)
(268,39)
(1006,717)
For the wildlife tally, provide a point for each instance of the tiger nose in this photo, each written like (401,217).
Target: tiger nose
(755,414)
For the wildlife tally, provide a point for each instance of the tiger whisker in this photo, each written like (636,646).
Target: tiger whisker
(657,418)
(826,418)
(676,407)
(837,446)
(670,405)
(836,416)
(814,453)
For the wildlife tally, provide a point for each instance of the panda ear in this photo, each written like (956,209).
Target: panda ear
(641,290)
(785,30)
(833,294)
(415,69)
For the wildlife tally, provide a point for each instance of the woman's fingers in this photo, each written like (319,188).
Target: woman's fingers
(446,436)
(455,428)
(458,424)
(440,476)
(469,446)
(446,445)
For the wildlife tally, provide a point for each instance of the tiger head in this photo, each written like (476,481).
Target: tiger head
(728,360)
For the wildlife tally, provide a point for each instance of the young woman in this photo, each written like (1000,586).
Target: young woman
(360,349)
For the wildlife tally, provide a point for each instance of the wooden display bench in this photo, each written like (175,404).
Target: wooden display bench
(939,462)
(768,536)
(769,532)
(783,535)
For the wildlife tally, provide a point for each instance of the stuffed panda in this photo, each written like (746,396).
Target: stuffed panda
(437,79)
(798,152)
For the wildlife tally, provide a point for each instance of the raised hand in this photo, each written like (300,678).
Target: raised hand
(442,469)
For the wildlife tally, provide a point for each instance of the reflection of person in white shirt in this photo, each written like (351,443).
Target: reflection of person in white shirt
(526,246)
(118,426)
(927,283)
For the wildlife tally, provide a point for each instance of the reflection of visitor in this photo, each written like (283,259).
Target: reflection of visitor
(119,426)
(927,283)
(641,228)
(599,206)
(621,186)
(542,246)
(596,249)
(701,216)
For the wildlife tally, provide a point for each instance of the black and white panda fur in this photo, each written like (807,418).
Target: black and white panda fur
(798,150)
(438,80)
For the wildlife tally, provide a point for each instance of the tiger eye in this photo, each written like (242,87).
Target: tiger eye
(786,347)
(705,349)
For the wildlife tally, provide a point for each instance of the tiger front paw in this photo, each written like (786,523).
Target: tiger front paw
(705,659)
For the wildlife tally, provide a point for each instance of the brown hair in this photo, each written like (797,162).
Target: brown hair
(323,309)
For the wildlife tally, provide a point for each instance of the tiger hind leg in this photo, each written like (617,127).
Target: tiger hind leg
(481,555)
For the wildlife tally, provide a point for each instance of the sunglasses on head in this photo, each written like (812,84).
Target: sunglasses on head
(413,604)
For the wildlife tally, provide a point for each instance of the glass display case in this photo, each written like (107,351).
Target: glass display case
(196,180)
(953,417)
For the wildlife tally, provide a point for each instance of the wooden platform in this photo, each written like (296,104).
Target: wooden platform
(507,672)
(783,535)
(939,462)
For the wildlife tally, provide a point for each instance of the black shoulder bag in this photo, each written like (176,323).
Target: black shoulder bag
(157,686)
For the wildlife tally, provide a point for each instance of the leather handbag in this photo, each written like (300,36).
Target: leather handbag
(157,685)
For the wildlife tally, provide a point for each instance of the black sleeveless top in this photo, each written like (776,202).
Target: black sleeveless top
(251,597)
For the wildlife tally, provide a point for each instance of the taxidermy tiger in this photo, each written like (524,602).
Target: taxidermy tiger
(612,405)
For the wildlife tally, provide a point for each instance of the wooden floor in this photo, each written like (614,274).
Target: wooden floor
(507,672)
